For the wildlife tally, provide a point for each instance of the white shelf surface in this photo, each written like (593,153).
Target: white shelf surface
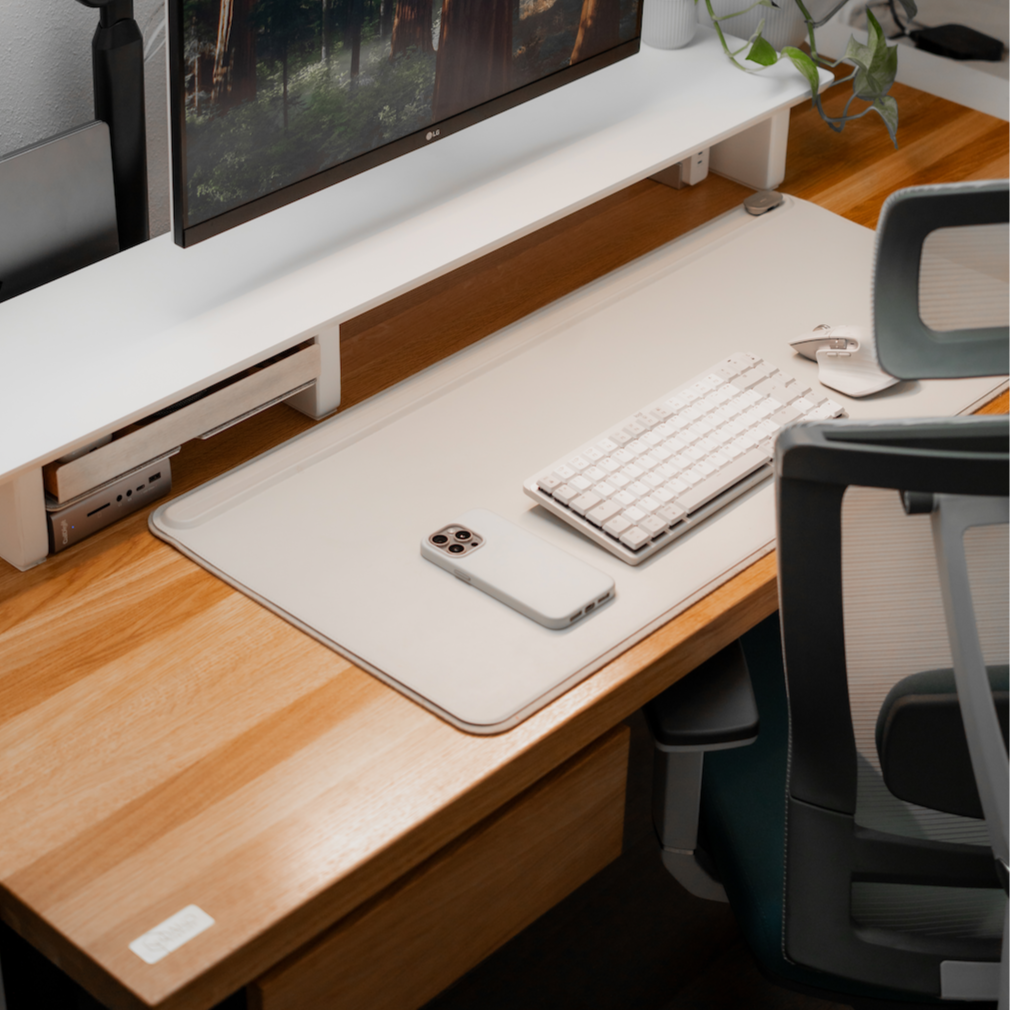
(91,352)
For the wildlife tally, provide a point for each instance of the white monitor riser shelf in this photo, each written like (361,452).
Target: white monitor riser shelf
(325,530)
(102,348)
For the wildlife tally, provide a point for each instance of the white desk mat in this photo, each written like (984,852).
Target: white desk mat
(325,529)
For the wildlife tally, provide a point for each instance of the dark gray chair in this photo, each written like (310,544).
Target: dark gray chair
(862,837)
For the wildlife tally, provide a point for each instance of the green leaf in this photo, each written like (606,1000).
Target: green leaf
(888,109)
(763,52)
(805,65)
(856,52)
(874,31)
(885,58)
(876,64)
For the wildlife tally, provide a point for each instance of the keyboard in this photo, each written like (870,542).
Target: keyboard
(652,477)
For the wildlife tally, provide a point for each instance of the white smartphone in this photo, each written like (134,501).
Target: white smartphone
(528,574)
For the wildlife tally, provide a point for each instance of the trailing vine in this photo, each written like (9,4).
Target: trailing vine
(874,65)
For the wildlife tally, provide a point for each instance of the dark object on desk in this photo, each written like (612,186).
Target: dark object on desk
(117,54)
(57,208)
(762,201)
(958,42)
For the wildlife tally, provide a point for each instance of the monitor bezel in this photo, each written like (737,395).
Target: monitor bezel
(187,236)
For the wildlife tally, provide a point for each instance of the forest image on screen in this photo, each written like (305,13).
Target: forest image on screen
(276,91)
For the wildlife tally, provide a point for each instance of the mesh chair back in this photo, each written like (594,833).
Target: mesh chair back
(877,890)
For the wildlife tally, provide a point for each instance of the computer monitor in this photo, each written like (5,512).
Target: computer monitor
(275,99)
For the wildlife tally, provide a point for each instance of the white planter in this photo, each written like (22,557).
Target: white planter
(784,25)
(669,24)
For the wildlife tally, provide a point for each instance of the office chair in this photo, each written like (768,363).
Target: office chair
(861,838)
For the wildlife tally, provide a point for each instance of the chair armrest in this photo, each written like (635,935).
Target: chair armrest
(713,708)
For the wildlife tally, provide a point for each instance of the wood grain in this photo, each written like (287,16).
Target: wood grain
(853,172)
(462,904)
(166,741)
(399,338)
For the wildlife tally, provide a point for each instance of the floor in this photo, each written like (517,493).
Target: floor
(630,938)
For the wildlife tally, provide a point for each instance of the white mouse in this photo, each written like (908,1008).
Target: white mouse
(846,359)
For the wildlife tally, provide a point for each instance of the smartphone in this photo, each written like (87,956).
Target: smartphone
(528,574)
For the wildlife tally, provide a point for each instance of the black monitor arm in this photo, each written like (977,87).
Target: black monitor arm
(117,52)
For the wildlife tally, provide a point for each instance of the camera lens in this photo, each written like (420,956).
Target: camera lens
(463,534)
(439,538)
(456,548)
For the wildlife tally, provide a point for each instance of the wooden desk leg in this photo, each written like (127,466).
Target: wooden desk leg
(422,933)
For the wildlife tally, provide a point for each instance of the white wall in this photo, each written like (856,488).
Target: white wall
(45,80)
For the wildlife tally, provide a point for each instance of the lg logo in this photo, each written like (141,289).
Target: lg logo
(432,134)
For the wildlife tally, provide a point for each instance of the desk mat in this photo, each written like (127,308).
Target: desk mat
(325,529)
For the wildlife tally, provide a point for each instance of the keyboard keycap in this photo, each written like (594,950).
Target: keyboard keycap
(635,537)
(704,491)
(585,503)
(616,526)
(672,514)
(786,415)
(603,513)
(653,525)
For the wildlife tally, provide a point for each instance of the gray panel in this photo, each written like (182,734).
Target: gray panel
(969,980)
(57,208)
(964,278)
(922,337)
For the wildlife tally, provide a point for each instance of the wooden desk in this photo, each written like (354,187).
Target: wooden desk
(167,742)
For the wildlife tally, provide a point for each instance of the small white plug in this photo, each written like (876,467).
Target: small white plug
(695,168)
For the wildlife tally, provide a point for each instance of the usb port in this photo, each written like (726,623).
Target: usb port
(154,477)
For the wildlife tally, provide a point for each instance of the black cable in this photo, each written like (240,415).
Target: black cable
(902,33)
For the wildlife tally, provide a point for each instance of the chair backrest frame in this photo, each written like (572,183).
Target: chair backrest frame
(827,851)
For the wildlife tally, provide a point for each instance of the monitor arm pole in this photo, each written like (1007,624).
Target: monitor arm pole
(117,53)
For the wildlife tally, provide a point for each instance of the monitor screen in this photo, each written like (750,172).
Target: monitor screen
(275,99)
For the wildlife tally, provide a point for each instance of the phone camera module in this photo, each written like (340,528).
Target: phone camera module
(456,548)
(463,534)
(440,538)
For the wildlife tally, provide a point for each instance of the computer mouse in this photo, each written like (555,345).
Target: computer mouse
(846,359)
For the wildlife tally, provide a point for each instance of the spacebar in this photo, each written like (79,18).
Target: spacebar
(706,490)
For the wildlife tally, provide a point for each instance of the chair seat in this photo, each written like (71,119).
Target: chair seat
(743,811)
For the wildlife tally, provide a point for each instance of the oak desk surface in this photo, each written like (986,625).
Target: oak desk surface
(165,741)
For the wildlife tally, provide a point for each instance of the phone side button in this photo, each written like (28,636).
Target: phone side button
(461,575)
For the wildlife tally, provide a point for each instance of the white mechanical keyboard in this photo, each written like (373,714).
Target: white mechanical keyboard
(646,480)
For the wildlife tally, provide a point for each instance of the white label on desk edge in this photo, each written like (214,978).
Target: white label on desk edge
(171,934)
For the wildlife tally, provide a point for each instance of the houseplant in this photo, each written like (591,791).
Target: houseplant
(874,65)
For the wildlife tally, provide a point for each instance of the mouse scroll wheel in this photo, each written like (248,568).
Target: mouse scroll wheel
(837,343)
